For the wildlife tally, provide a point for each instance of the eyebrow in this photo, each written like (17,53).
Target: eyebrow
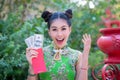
(53,27)
(56,27)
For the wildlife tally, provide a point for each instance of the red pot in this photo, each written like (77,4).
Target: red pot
(109,43)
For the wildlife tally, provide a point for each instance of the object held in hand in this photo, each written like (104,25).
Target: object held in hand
(36,42)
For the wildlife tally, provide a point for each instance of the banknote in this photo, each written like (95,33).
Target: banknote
(38,40)
(35,41)
(28,42)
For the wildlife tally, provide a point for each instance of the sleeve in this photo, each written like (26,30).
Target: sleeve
(75,56)
(79,58)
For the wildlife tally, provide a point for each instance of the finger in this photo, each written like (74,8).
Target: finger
(33,51)
(87,37)
(84,37)
(28,50)
(83,40)
(33,56)
(30,59)
(29,55)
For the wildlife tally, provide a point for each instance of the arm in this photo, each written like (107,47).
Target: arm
(82,65)
(31,75)
(30,53)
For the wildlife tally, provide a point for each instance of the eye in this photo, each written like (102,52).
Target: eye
(63,28)
(54,29)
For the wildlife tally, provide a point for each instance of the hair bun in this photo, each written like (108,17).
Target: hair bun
(68,13)
(46,15)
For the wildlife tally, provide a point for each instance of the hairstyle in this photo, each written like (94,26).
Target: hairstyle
(49,17)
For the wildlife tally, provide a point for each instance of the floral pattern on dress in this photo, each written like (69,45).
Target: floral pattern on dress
(63,69)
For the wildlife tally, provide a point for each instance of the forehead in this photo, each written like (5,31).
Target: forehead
(59,23)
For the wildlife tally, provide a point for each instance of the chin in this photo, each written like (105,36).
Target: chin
(60,46)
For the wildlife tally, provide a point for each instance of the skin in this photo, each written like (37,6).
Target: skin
(59,32)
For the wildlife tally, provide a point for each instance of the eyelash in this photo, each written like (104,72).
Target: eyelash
(56,29)
(63,28)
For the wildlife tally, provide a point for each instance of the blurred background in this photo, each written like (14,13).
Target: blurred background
(20,19)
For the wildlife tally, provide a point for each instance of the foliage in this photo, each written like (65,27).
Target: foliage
(11,53)
(12,47)
(14,30)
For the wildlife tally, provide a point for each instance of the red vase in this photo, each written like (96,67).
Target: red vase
(109,43)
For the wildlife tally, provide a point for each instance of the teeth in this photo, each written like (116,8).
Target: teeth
(59,39)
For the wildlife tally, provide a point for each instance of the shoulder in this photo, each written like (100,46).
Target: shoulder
(74,51)
(74,55)
(47,48)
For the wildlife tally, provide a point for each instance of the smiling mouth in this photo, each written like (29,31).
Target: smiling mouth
(59,41)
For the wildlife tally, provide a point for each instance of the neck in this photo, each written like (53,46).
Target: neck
(56,47)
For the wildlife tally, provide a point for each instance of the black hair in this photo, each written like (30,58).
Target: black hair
(49,17)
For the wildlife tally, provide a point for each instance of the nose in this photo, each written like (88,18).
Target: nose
(59,33)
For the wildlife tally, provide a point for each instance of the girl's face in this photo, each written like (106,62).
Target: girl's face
(59,32)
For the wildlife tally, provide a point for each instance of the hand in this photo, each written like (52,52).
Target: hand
(87,43)
(30,53)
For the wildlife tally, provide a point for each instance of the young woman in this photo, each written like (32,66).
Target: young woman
(63,62)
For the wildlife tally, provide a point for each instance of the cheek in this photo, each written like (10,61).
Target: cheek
(52,35)
(67,33)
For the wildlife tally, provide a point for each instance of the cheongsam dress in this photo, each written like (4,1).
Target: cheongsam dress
(62,69)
